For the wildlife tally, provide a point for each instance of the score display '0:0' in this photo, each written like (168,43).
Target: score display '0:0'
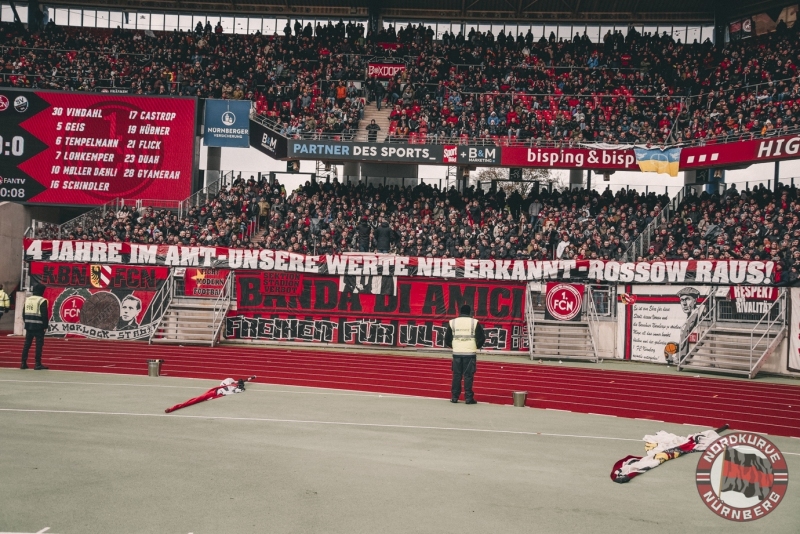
(12,192)
(17,146)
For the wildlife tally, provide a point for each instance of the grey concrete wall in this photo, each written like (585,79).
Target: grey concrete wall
(14,219)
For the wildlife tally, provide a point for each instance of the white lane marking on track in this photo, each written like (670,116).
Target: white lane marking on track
(332,423)
(45,529)
(316,422)
(325,392)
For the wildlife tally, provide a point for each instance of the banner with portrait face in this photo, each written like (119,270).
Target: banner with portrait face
(381,311)
(100,301)
(651,318)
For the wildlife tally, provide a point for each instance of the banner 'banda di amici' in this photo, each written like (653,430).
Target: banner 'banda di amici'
(656,272)
(372,310)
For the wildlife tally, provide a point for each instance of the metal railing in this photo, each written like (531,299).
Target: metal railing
(769,334)
(87,220)
(220,309)
(641,244)
(206,194)
(532,288)
(592,318)
(699,322)
(162,300)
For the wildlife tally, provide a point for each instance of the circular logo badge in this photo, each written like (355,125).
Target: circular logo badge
(21,104)
(564,302)
(70,310)
(3,102)
(742,476)
(747,25)
(228,118)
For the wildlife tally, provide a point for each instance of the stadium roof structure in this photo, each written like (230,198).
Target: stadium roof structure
(541,11)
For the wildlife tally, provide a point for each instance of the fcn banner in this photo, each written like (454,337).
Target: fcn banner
(100,301)
(373,310)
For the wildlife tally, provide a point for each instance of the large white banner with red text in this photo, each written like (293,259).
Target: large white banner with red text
(658,272)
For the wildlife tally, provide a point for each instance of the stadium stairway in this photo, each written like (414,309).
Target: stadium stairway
(565,340)
(190,321)
(729,350)
(381,119)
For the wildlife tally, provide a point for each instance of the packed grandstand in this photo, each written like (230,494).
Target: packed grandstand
(627,89)
(630,88)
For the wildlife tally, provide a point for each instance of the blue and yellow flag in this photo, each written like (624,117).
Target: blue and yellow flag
(662,161)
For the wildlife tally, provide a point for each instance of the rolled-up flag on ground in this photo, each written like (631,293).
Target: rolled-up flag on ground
(229,386)
(661,447)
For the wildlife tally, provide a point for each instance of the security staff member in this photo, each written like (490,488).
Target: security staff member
(36,323)
(5,302)
(465,335)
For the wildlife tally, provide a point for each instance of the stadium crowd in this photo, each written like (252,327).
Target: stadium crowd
(331,218)
(628,89)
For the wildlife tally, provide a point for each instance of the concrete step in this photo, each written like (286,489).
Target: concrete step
(204,341)
(187,337)
(563,352)
(207,329)
(730,351)
(708,368)
(190,306)
(189,316)
(726,357)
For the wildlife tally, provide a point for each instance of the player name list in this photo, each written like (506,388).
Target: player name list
(134,149)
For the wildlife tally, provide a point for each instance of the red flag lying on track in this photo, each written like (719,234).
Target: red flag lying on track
(229,386)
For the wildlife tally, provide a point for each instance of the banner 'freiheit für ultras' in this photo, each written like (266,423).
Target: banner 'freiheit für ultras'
(657,272)
(85,148)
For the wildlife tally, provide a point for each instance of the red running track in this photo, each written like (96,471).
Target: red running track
(710,402)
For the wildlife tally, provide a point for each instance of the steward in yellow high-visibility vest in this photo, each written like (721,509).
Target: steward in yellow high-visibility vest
(36,323)
(5,302)
(465,335)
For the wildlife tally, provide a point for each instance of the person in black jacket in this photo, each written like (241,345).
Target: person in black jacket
(363,230)
(36,323)
(372,131)
(383,237)
(379,92)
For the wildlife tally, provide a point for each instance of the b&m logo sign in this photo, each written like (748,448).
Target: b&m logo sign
(563,302)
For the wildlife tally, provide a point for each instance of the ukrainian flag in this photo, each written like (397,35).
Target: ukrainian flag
(660,161)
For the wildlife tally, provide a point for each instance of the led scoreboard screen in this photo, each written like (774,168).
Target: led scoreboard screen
(85,148)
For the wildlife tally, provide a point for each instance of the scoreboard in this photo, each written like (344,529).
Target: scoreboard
(88,148)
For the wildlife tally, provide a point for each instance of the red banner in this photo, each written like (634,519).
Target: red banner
(384,71)
(753,294)
(388,312)
(205,283)
(84,148)
(100,301)
(569,158)
(98,276)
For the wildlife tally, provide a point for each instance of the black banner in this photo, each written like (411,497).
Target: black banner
(267,141)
